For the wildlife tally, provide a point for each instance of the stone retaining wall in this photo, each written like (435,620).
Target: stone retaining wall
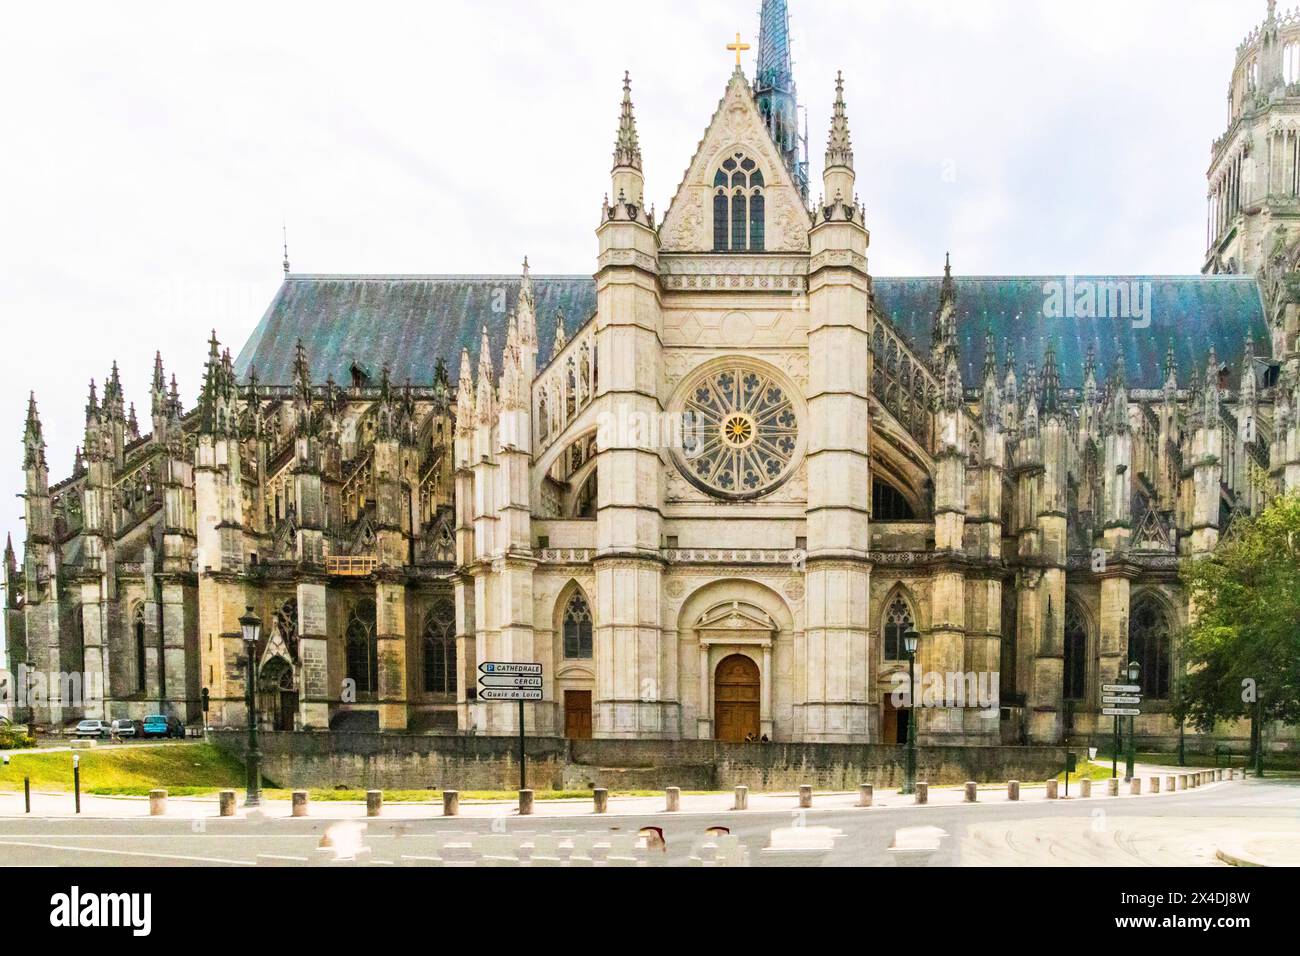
(415,762)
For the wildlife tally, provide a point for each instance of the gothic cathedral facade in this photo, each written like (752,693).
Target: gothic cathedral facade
(713,492)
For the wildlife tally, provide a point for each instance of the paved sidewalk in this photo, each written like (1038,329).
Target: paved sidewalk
(61,805)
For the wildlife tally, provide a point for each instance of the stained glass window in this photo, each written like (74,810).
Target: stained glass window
(577,628)
(440,649)
(1076,654)
(739,210)
(898,620)
(363,648)
(741,433)
(1148,636)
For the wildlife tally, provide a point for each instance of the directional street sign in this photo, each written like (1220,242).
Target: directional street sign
(510,693)
(498,667)
(508,680)
(1121,712)
(1120,699)
(1121,688)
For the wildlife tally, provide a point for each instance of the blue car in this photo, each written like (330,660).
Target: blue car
(159,725)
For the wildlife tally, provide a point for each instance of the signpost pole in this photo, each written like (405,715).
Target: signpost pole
(1114,752)
(523,766)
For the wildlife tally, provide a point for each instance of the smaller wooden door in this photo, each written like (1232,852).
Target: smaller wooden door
(577,714)
(288,710)
(737,687)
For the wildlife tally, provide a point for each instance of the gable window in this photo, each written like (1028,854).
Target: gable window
(739,206)
(363,648)
(898,621)
(577,628)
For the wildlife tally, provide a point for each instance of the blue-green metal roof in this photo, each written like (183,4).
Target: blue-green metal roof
(409,322)
(1191,312)
(404,322)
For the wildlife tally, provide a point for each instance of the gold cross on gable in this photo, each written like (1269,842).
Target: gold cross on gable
(738,47)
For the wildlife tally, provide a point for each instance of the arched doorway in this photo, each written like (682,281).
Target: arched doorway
(278,695)
(737,695)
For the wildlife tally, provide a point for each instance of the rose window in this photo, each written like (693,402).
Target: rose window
(741,433)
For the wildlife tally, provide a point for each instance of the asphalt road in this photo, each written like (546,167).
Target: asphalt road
(1181,830)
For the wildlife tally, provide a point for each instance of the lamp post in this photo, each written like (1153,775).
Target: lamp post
(1134,674)
(910,639)
(250,626)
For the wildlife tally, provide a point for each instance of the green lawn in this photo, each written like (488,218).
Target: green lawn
(187,770)
(1090,771)
(184,769)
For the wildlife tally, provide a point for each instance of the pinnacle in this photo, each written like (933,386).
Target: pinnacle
(839,147)
(627,147)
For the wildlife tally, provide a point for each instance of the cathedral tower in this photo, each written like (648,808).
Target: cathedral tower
(836,698)
(1254,176)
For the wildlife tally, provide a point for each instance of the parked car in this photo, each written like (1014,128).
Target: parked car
(125,728)
(160,725)
(91,728)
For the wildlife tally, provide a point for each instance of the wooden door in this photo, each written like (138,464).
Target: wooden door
(288,710)
(577,714)
(737,687)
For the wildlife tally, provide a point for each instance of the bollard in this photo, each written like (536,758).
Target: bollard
(600,799)
(1154,786)
(1135,787)
(157,803)
(226,803)
(374,803)
(27,794)
(742,798)
(805,797)
(1085,788)
(922,792)
(1171,784)
(451,803)
(1112,787)
(525,803)
(673,799)
(972,791)
(1013,789)
(1052,789)
(300,803)
(866,793)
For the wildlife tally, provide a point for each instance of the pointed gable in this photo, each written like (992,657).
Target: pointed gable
(736,127)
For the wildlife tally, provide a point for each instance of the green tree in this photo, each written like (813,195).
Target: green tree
(1242,655)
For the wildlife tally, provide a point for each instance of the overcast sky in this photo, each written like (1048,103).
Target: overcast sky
(151,151)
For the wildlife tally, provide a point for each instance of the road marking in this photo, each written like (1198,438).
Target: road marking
(152,856)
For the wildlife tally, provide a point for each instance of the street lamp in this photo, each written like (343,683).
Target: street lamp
(250,626)
(1134,675)
(910,640)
